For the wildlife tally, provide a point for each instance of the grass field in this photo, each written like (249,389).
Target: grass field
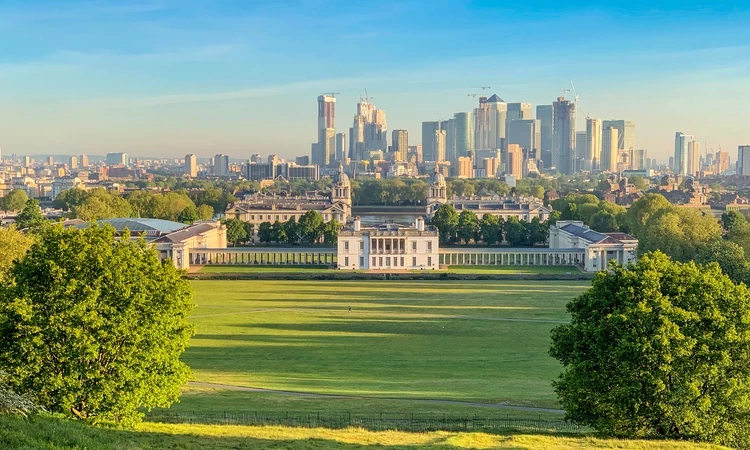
(481,270)
(52,434)
(474,341)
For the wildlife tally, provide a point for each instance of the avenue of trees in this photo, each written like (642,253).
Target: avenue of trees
(466,227)
(659,349)
(600,215)
(309,230)
(91,327)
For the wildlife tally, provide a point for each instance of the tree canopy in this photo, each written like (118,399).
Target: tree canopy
(13,246)
(14,201)
(31,215)
(658,349)
(94,326)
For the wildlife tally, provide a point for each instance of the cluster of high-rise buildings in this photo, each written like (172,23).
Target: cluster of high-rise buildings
(496,138)
(688,160)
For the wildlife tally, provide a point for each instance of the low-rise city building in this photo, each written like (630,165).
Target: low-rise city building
(598,248)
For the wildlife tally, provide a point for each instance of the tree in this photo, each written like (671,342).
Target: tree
(188,215)
(236,232)
(537,191)
(658,349)
(729,256)
(732,219)
(642,209)
(310,227)
(249,229)
(109,324)
(12,403)
(554,216)
(14,201)
(291,230)
(13,246)
(69,198)
(279,233)
(603,222)
(446,221)
(331,231)
(678,232)
(31,216)
(488,228)
(205,212)
(265,232)
(515,232)
(468,226)
(538,231)
(639,182)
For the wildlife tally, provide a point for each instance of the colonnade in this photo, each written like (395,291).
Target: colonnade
(386,245)
(252,257)
(456,257)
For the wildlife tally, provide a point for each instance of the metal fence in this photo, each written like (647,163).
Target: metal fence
(381,422)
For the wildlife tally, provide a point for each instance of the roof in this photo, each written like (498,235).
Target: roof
(584,233)
(187,233)
(148,226)
(495,99)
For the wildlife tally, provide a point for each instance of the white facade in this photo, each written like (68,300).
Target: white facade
(63,184)
(388,247)
(599,248)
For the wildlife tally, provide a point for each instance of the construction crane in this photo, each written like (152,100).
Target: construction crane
(483,88)
(366,97)
(576,97)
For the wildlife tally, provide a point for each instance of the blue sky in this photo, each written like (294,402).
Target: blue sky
(168,77)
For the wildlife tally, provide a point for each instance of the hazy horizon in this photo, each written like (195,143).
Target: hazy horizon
(163,78)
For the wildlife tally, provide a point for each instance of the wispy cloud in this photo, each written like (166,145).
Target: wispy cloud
(221,96)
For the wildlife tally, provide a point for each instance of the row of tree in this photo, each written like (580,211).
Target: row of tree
(466,227)
(96,204)
(310,229)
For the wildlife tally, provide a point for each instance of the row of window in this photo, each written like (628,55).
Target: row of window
(388,247)
(282,218)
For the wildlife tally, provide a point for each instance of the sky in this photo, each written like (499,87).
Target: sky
(170,77)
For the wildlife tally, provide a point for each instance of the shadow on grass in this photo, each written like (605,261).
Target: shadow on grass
(48,433)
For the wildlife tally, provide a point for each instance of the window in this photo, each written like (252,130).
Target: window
(402,261)
(374,260)
(346,247)
(429,246)
(252,217)
(276,218)
(380,261)
(346,261)
(388,261)
(361,245)
(414,246)
(414,261)
(362,261)
(285,218)
(429,261)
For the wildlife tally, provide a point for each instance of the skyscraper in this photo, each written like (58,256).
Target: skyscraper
(583,161)
(463,131)
(516,111)
(73,162)
(428,140)
(545,115)
(743,160)
(221,165)
(450,140)
(489,124)
(341,152)
(514,161)
(626,135)
(323,151)
(369,131)
(594,142)
(609,152)
(564,136)
(464,167)
(191,165)
(722,161)
(438,143)
(400,144)
(84,161)
(526,133)
(693,158)
(680,154)
(640,160)
(115,159)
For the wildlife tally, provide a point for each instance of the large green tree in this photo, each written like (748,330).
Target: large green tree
(658,349)
(489,228)
(446,221)
(236,232)
(311,227)
(642,209)
(14,201)
(468,226)
(31,215)
(13,246)
(94,326)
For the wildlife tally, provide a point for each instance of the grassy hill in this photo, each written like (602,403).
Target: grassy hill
(44,433)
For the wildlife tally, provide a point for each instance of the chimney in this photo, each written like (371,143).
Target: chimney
(420,223)
(357,223)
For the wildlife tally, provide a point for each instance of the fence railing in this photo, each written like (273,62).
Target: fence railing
(380,422)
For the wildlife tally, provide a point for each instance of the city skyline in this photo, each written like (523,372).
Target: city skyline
(164,80)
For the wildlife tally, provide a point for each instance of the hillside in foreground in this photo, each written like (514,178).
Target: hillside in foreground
(48,433)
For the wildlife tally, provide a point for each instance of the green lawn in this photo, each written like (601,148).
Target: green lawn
(43,433)
(481,341)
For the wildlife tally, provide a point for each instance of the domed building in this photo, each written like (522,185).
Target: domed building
(341,191)
(438,189)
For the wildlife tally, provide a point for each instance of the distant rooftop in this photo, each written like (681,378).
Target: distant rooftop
(495,99)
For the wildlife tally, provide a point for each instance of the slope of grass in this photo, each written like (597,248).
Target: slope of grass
(479,341)
(43,433)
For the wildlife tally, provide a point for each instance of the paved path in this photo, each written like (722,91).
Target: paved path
(354,397)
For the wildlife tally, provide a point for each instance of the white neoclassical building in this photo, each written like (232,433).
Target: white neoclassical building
(388,247)
(598,248)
